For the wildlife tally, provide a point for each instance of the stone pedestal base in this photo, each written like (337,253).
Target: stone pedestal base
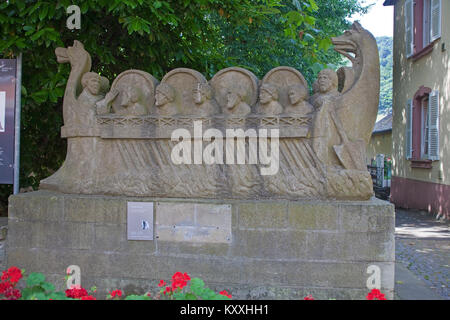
(254,249)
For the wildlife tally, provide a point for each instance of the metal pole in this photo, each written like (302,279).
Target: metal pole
(17,123)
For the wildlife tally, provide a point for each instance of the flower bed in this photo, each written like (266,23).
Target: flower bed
(181,287)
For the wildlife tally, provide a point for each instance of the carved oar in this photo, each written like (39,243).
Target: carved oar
(350,153)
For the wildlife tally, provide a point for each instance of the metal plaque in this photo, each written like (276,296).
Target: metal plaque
(7,125)
(140,221)
(193,222)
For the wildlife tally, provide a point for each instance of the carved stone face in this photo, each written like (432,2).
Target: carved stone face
(265,97)
(130,97)
(94,85)
(161,99)
(325,82)
(199,96)
(233,99)
(296,95)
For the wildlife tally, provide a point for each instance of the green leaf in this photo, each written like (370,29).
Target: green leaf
(26,293)
(207,294)
(179,295)
(58,296)
(136,297)
(313,5)
(39,296)
(190,296)
(317,67)
(197,286)
(43,12)
(35,279)
(48,287)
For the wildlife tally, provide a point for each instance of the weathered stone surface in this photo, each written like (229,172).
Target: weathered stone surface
(270,215)
(181,222)
(311,216)
(289,247)
(3,232)
(119,142)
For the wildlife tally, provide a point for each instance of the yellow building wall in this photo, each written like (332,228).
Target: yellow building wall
(380,143)
(433,71)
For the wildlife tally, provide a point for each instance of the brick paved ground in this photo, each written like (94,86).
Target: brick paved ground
(423,247)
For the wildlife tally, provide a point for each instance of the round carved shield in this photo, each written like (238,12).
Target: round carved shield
(237,80)
(282,78)
(141,83)
(184,81)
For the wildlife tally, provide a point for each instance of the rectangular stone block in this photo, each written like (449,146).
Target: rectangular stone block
(269,215)
(174,214)
(379,217)
(91,209)
(192,222)
(20,234)
(312,216)
(193,249)
(276,244)
(63,235)
(91,263)
(356,246)
(276,249)
(109,237)
(213,215)
(42,206)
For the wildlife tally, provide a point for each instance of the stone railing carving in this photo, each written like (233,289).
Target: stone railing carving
(119,138)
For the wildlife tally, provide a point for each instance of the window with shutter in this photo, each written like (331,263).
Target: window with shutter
(433,116)
(435,24)
(409,109)
(409,27)
(425,128)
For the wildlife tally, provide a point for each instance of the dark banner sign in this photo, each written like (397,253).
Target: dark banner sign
(7,111)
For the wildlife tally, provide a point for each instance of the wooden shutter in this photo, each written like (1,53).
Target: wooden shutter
(409,112)
(433,125)
(409,27)
(435,25)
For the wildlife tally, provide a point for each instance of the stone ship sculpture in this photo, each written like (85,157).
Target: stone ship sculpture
(120,137)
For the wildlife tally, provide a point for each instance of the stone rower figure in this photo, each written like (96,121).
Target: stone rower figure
(204,100)
(298,97)
(164,100)
(235,104)
(268,100)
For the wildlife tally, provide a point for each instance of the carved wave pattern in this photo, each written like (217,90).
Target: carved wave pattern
(146,169)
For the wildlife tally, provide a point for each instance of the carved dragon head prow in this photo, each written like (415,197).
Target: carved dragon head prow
(350,43)
(76,55)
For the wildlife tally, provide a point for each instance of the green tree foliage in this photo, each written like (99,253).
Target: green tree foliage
(290,38)
(155,36)
(386,64)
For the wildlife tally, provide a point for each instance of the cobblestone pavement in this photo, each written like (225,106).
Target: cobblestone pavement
(422,245)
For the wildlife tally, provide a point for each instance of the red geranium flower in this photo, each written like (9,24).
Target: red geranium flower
(13,294)
(167,290)
(12,275)
(179,280)
(162,283)
(116,293)
(225,293)
(76,292)
(5,286)
(308,297)
(178,284)
(88,298)
(375,294)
